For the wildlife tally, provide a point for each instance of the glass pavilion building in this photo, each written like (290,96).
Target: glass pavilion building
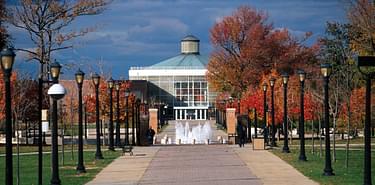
(180,82)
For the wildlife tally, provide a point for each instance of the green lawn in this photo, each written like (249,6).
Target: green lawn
(68,175)
(46,148)
(313,168)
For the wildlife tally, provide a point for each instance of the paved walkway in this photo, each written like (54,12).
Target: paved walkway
(199,164)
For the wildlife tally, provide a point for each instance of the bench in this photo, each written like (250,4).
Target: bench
(127,149)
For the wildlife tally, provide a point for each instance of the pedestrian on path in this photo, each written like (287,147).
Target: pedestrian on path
(241,133)
(150,135)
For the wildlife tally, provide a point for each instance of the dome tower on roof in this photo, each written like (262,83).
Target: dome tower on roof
(190,45)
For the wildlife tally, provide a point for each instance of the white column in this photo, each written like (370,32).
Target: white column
(175,115)
(180,114)
(185,118)
(196,114)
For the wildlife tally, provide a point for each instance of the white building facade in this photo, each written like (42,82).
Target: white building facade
(180,82)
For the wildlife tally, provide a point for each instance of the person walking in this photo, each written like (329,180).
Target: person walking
(241,132)
(150,135)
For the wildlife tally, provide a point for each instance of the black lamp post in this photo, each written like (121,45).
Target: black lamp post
(326,72)
(111,140)
(79,79)
(96,80)
(265,132)
(285,77)
(133,122)
(127,117)
(117,87)
(302,155)
(56,92)
(137,120)
(365,63)
(249,125)
(255,122)
(272,84)
(7,60)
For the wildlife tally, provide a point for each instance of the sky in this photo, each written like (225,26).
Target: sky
(145,32)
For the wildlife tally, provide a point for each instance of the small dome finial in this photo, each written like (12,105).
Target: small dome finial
(190,45)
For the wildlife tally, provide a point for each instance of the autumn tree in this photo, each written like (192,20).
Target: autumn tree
(361,18)
(247,47)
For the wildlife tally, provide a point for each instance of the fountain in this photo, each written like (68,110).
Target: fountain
(197,135)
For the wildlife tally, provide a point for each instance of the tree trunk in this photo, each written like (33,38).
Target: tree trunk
(348,138)
(320,138)
(334,138)
(312,136)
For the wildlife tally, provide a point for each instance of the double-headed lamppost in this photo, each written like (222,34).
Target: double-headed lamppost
(302,155)
(111,140)
(272,84)
(326,72)
(117,87)
(79,79)
(366,65)
(96,80)
(56,91)
(7,60)
(265,132)
(285,77)
(127,117)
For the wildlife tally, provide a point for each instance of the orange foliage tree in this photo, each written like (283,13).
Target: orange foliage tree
(247,48)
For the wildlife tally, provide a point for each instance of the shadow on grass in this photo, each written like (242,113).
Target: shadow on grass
(28,167)
(313,168)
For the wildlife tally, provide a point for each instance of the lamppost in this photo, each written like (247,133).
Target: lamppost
(127,117)
(56,92)
(285,77)
(7,60)
(137,117)
(110,86)
(255,122)
(133,122)
(79,79)
(302,155)
(117,87)
(96,81)
(326,72)
(265,132)
(249,125)
(272,84)
(365,63)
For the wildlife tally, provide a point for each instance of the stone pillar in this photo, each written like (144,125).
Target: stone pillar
(231,122)
(153,119)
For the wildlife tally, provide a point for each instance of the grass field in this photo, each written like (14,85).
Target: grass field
(29,172)
(313,168)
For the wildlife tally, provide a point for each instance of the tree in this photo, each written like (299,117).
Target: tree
(336,50)
(47,24)
(246,48)
(3,32)
(361,18)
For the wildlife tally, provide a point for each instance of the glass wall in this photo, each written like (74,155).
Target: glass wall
(190,96)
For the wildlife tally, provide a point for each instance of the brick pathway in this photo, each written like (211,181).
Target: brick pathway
(198,164)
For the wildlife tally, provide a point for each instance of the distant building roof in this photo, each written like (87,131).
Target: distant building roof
(182,61)
(190,38)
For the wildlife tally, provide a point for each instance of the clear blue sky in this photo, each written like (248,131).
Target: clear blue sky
(144,32)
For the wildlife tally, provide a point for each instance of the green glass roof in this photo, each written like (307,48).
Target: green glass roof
(182,61)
